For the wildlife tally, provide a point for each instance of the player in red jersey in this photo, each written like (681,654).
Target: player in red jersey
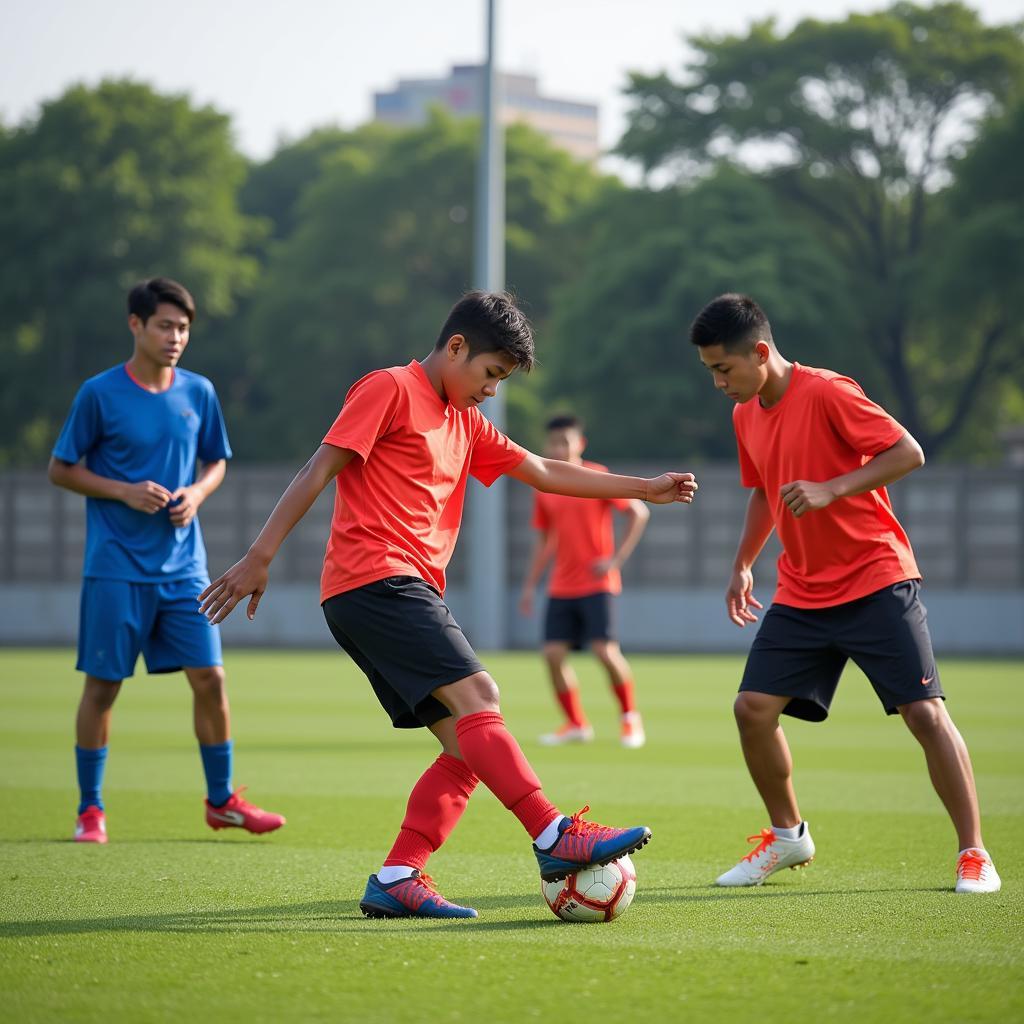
(402,449)
(817,455)
(577,534)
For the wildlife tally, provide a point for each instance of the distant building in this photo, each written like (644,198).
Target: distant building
(567,123)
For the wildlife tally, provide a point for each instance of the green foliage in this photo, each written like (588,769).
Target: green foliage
(857,125)
(109,185)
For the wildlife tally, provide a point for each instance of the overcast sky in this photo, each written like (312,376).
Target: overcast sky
(281,69)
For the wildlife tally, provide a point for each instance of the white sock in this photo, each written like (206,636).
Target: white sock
(789,833)
(393,872)
(549,836)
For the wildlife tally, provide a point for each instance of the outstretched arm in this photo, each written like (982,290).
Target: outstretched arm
(250,575)
(886,467)
(757,528)
(554,476)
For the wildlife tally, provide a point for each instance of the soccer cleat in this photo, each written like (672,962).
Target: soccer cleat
(239,813)
(568,733)
(632,731)
(582,844)
(975,872)
(414,896)
(91,826)
(772,854)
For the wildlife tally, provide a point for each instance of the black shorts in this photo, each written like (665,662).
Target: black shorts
(578,621)
(401,634)
(800,652)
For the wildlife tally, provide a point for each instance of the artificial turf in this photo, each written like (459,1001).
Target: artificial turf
(172,921)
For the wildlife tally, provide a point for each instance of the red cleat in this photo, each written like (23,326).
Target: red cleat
(239,813)
(91,826)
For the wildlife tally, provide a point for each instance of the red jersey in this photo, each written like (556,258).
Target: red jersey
(822,427)
(582,528)
(398,506)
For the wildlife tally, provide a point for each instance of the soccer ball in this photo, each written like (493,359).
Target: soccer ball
(593,894)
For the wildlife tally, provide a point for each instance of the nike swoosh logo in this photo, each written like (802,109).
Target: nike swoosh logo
(231,817)
(925,680)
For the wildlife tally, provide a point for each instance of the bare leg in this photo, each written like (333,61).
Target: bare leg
(92,724)
(556,656)
(211,714)
(610,655)
(949,766)
(767,755)
(445,733)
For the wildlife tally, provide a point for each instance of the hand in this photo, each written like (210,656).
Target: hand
(803,496)
(185,502)
(526,602)
(146,496)
(603,566)
(669,487)
(248,576)
(739,598)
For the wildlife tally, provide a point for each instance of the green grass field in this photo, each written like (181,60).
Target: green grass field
(171,921)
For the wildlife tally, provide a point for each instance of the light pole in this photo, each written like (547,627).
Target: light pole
(487,522)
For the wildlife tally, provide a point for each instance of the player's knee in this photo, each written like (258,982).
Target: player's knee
(555,655)
(604,651)
(478,692)
(752,713)
(924,716)
(208,682)
(100,694)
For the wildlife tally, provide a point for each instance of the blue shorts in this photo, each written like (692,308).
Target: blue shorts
(119,620)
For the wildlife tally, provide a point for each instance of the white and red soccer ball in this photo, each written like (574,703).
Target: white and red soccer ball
(594,894)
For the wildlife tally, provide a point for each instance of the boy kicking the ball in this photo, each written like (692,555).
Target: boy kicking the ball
(145,443)
(577,534)
(817,455)
(401,451)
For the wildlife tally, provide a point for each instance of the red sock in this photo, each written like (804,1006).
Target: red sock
(492,752)
(572,706)
(624,692)
(435,805)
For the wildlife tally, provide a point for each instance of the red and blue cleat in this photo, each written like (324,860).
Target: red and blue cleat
(582,844)
(239,813)
(414,896)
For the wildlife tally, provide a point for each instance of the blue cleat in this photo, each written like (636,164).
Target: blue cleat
(414,896)
(582,843)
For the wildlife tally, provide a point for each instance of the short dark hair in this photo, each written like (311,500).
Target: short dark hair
(491,322)
(564,421)
(147,295)
(733,321)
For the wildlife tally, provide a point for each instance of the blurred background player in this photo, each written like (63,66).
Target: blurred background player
(402,449)
(817,454)
(578,534)
(154,445)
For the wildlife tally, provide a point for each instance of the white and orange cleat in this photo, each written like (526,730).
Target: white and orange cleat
(568,733)
(239,813)
(91,826)
(631,732)
(773,853)
(975,872)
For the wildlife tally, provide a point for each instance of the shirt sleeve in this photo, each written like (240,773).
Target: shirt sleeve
(213,433)
(865,426)
(82,429)
(493,453)
(367,414)
(540,520)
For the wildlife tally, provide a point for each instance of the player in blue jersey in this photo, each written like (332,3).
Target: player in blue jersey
(145,443)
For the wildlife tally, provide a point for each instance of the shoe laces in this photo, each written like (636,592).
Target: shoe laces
(764,838)
(240,804)
(971,865)
(579,827)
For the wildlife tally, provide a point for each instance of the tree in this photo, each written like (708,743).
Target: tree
(107,186)
(857,125)
(381,248)
(622,355)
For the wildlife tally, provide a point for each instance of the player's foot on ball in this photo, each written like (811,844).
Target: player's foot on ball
(975,872)
(582,843)
(773,853)
(568,733)
(631,733)
(414,896)
(91,826)
(239,813)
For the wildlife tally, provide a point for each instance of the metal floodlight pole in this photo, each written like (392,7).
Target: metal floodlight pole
(487,538)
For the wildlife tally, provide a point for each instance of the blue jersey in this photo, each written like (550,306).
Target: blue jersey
(127,433)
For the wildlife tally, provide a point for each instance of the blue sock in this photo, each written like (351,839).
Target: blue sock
(90,776)
(217,767)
